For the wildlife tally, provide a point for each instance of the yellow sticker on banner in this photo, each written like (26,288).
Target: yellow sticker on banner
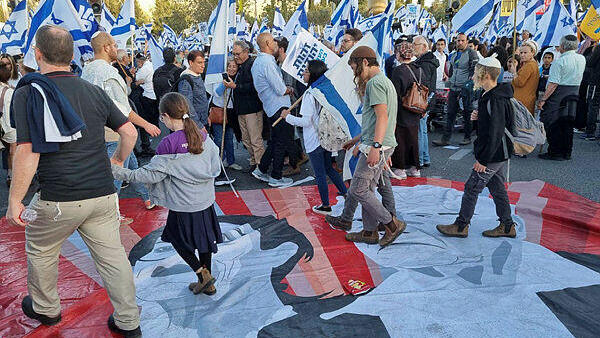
(590,25)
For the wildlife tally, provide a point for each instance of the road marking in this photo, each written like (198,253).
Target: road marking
(460,154)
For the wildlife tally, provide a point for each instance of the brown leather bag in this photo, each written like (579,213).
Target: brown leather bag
(415,99)
(215,115)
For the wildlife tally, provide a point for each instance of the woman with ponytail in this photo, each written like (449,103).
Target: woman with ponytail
(180,177)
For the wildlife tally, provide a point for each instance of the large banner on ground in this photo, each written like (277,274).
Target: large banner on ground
(305,48)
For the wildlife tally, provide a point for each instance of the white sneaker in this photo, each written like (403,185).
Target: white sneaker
(399,174)
(282,182)
(259,175)
(413,172)
(235,166)
(224,181)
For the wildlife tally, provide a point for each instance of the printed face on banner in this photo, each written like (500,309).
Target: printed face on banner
(275,279)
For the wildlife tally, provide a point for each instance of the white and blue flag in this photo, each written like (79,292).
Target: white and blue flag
(60,13)
(297,21)
(107,20)
(168,37)
(440,33)
(278,23)
(155,51)
(554,24)
(242,29)
(527,17)
(231,23)
(86,15)
(264,27)
(217,63)
(473,16)
(212,20)
(14,32)
(124,27)
(340,21)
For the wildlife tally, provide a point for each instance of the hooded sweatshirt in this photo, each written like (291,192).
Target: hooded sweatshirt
(428,63)
(179,182)
(491,144)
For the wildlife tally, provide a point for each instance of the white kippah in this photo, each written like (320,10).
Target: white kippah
(490,61)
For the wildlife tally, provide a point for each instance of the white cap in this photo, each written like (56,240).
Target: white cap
(490,61)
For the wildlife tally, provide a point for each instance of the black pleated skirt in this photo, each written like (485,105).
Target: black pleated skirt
(192,231)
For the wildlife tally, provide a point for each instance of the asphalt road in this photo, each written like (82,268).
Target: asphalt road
(580,175)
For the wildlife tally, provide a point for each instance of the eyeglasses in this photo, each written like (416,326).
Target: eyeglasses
(237,54)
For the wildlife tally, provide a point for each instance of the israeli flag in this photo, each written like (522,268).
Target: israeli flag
(335,90)
(440,33)
(278,23)
(554,24)
(263,26)
(242,29)
(169,38)
(14,32)
(60,13)
(340,21)
(86,14)
(527,17)
(596,4)
(492,32)
(124,27)
(107,20)
(140,37)
(217,63)
(473,16)
(155,50)
(297,21)
(212,20)
(231,24)
(254,34)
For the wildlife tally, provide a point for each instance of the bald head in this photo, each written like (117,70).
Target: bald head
(104,46)
(266,43)
(55,45)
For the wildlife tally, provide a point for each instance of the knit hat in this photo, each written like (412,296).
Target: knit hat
(490,61)
(363,52)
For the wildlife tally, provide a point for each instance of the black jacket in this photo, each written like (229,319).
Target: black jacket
(489,147)
(593,63)
(428,64)
(245,97)
(403,81)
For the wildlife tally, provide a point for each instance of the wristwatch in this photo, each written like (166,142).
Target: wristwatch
(376,145)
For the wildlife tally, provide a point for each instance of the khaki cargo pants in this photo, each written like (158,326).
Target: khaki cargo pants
(97,221)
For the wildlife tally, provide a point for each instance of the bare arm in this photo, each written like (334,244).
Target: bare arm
(137,120)
(549,90)
(24,166)
(128,138)
(381,123)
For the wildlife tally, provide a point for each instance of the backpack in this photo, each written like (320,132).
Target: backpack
(416,98)
(527,132)
(331,135)
(175,86)
(164,78)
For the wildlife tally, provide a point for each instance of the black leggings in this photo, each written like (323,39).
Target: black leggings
(203,259)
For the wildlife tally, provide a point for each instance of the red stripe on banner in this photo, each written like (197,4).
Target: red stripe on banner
(231,205)
(289,290)
(144,221)
(570,222)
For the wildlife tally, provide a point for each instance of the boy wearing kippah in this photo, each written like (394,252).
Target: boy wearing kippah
(492,149)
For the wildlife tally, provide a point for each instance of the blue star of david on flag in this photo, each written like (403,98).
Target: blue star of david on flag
(119,18)
(566,21)
(526,3)
(5,30)
(56,20)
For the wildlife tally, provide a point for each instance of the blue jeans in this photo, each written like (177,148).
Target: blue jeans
(423,142)
(217,132)
(130,163)
(320,159)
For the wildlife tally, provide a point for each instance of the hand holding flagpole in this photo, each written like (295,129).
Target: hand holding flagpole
(290,108)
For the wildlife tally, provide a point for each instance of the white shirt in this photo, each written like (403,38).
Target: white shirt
(309,121)
(439,84)
(10,133)
(145,74)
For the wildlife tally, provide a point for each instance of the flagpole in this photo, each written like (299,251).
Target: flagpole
(514,27)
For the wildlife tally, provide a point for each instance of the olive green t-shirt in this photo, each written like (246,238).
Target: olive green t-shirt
(379,90)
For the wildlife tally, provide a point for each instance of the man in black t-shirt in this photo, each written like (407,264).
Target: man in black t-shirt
(77,190)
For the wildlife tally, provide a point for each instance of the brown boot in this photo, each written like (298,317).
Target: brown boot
(211,290)
(303,160)
(205,279)
(363,237)
(338,223)
(502,230)
(392,231)
(452,230)
(291,171)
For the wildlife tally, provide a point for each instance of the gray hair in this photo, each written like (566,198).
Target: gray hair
(56,45)
(569,42)
(121,53)
(242,44)
(425,40)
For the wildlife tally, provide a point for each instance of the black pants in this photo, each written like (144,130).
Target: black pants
(493,178)
(560,137)
(203,259)
(281,140)
(150,114)
(294,153)
(453,107)
(593,100)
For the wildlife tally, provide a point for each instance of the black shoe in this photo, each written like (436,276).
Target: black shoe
(250,170)
(426,165)
(137,332)
(124,185)
(222,180)
(440,143)
(323,210)
(465,141)
(548,156)
(27,307)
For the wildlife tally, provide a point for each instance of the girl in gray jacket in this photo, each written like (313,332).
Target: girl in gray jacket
(181,178)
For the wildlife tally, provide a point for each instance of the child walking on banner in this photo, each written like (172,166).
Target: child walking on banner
(181,178)
(492,150)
